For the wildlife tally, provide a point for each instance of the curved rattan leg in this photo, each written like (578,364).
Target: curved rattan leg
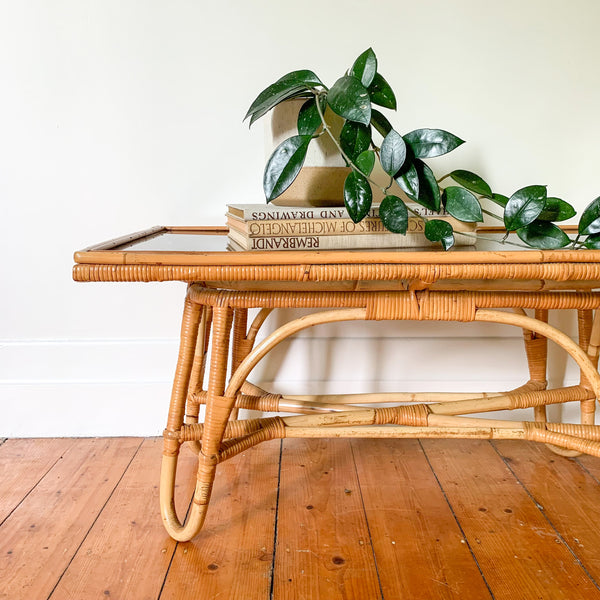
(588,407)
(195,519)
(181,382)
(216,420)
(588,370)
(197,375)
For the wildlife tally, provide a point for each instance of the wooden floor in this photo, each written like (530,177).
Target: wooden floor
(361,519)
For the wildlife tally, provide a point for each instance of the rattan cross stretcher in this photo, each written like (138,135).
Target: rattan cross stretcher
(474,284)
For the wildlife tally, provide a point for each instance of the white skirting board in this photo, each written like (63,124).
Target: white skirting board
(122,387)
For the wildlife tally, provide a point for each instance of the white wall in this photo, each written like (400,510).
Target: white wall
(118,115)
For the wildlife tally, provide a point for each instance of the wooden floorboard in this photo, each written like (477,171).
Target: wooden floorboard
(419,546)
(336,519)
(519,552)
(323,546)
(41,536)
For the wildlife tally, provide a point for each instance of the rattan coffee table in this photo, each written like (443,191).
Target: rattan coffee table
(469,284)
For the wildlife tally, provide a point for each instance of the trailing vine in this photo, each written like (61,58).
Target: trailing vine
(529,212)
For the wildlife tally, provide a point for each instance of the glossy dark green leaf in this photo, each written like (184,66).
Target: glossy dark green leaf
(556,209)
(381,93)
(472,182)
(589,222)
(437,230)
(593,242)
(394,214)
(284,165)
(429,143)
(365,162)
(309,119)
(350,99)
(524,206)
(393,152)
(357,196)
(407,179)
(285,87)
(355,138)
(429,191)
(500,199)
(462,204)
(365,67)
(379,121)
(543,235)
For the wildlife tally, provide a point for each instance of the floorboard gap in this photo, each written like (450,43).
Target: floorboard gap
(271,588)
(462,532)
(362,501)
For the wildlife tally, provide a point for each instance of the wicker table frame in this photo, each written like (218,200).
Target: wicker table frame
(433,287)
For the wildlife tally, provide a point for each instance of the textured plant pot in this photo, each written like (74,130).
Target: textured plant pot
(321,180)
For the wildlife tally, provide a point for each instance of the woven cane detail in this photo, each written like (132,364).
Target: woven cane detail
(589,432)
(391,305)
(341,272)
(272,428)
(543,397)
(264,403)
(413,415)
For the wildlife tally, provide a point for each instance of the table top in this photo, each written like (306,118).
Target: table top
(201,254)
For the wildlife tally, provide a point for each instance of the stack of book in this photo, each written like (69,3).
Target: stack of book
(268,227)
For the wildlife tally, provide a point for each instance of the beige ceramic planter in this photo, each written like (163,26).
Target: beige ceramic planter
(321,180)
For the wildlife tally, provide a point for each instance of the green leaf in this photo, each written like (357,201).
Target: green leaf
(462,204)
(393,152)
(429,143)
(472,182)
(524,206)
(365,161)
(394,214)
(379,121)
(285,87)
(557,210)
(593,242)
(381,93)
(590,218)
(355,138)
(284,165)
(407,179)
(350,99)
(429,191)
(437,230)
(543,235)
(500,199)
(357,196)
(309,119)
(365,67)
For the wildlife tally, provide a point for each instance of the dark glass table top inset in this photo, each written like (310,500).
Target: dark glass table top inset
(183,241)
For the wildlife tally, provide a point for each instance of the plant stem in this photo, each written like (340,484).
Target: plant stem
(502,241)
(576,240)
(346,157)
(442,178)
(491,214)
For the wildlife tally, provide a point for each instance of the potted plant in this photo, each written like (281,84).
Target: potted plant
(529,212)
